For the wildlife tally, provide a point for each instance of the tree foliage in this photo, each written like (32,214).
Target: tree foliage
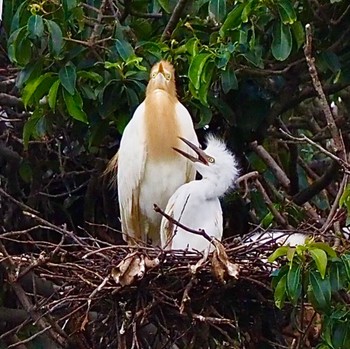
(82,69)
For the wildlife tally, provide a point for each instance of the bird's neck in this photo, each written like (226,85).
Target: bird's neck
(214,187)
(162,128)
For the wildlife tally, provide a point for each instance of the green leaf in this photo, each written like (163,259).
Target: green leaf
(74,105)
(321,291)
(345,196)
(35,27)
(229,80)
(233,20)
(36,88)
(124,49)
(14,43)
(320,258)
(217,10)
(31,71)
(290,254)
(15,24)
(337,276)
(325,247)
(280,292)
(30,126)
(286,11)
(294,283)
(282,41)
(53,94)
(205,115)
(90,75)
(25,171)
(246,11)
(165,4)
(55,38)
(279,252)
(196,68)
(192,46)
(346,262)
(69,5)
(68,77)
(205,82)
(298,33)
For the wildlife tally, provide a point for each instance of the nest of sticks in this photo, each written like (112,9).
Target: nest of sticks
(107,296)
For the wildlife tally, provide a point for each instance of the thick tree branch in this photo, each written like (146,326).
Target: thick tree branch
(174,19)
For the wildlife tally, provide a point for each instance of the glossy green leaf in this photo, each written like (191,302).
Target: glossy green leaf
(13,44)
(68,5)
(206,79)
(165,4)
(35,89)
(90,75)
(53,94)
(217,10)
(337,276)
(74,106)
(16,20)
(55,38)
(246,11)
(294,283)
(286,11)
(23,51)
(30,71)
(196,68)
(290,254)
(321,291)
(233,20)
(282,41)
(280,292)
(320,258)
(279,252)
(205,115)
(229,80)
(346,262)
(298,33)
(35,27)
(29,127)
(325,247)
(192,46)
(68,77)
(124,49)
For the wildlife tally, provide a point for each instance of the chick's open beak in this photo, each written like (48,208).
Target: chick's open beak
(202,156)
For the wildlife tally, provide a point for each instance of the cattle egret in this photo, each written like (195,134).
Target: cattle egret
(196,204)
(149,171)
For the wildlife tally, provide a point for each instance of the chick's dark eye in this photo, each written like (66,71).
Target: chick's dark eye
(211,160)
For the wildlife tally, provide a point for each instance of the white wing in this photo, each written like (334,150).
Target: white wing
(131,164)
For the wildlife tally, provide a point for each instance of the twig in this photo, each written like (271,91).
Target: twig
(271,163)
(173,19)
(336,135)
(279,218)
(200,232)
(335,204)
(306,139)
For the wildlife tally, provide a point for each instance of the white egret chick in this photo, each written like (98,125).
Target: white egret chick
(196,204)
(148,170)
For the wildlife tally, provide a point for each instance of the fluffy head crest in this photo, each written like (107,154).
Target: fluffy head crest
(223,168)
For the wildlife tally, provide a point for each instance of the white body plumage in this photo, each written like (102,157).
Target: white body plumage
(196,204)
(149,171)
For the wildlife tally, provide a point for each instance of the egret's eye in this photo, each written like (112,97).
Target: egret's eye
(211,160)
(153,75)
(168,76)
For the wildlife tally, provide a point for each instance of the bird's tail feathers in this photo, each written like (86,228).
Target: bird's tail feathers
(111,172)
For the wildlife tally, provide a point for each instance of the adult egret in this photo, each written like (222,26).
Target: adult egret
(196,204)
(149,171)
